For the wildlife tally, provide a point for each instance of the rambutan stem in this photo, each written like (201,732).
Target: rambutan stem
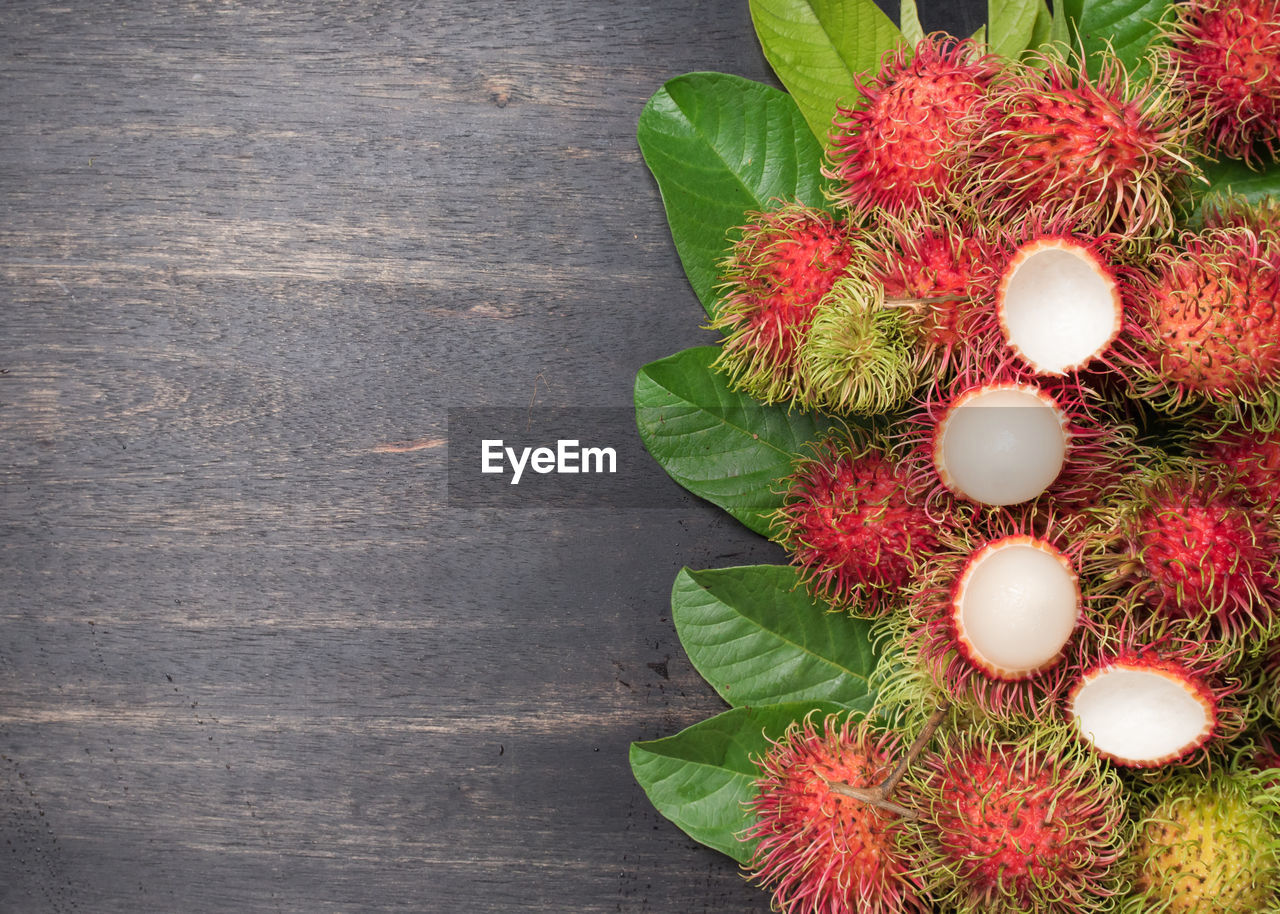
(879,795)
(926,734)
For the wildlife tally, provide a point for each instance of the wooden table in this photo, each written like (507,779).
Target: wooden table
(254,658)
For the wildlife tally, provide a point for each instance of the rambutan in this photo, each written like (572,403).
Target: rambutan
(992,616)
(1182,540)
(1021,823)
(1003,438)
(1212,307)
(1207,844)
(853,523)
(1149,703)
(1262,217)
(1059,302)
(900,141)
(856,356)
(1104,152)
(1252,458)
(1226,55)
(823,852)
(934,267)
(780,267)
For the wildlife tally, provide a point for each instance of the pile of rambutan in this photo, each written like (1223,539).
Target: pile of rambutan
(1036,334)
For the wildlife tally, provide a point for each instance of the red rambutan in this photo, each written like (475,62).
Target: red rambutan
(1183,541)
(1227,59)
(898,144)
(853,523)
(823,852)
(1016,824)
(1213,312)
(1100,151)
(781,266)
(1252,458)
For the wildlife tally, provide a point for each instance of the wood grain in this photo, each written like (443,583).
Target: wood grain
(252,660)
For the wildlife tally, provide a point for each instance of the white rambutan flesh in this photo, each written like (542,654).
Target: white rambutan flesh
(1142,716)
(1002,444)
(1016,605)
(1059,306)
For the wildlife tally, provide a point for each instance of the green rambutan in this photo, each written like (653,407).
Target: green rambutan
(783,263)
(1212,311)
(853,523)
(856,356)
(994,612)
(1226,55)
(1183,540)
(820,851)
(1207,844)
(899,142)
(1017,823)
(1104,152)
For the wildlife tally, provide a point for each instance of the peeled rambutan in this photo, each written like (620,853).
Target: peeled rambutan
(853,523)
(1011,824)
(1212,308)
(1207,844)
(900,141)
(1102,151)
(820,851)
(994,612)
(1183,540)
(856,357)
(1226,55)
(934,267)
(1059,302)
(1149,703)
(1001,437)
(780,267)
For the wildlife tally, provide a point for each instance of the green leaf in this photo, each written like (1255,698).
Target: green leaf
(818,47)
(755,633)
(1231,176)
(1062,30)
(1010,24)
(909,22)
(721,146)
(1042,31)
(980,36)
(1128,25)
(702,777)
(719,444)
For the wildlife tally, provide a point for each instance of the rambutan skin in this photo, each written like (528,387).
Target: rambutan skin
(1026,822)
(780,267)
(1227,59)
(1212,309)
(1252,458)
(899,143)
(1208,844)
(821,852)
(1103,151)
(854,525)
(1185,542)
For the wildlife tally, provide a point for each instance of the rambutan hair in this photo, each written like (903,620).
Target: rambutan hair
(899,141)
(1212,313)
(1009,822)
(853,523)
(781,265)
(819,851)
(1226,59)
(1105,151)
